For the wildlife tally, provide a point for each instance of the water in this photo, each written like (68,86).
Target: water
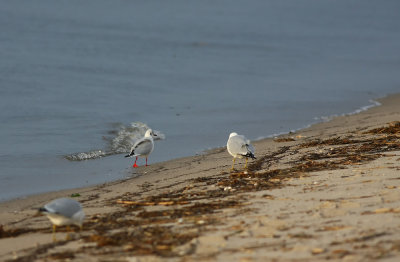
(74,75)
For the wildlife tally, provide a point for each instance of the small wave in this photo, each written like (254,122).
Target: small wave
(373,103)
(86,155)
(120,140)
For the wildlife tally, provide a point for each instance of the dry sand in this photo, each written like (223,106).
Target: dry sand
(331,191)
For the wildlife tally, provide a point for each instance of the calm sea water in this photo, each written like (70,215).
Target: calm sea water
(80,79)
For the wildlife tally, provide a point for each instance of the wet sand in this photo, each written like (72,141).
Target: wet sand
(330,191)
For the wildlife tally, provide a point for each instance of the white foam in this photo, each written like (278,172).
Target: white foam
(374,103)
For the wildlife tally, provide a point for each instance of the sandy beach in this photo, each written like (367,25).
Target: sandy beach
(330,191)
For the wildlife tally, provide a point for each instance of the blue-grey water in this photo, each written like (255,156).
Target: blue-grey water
(78,79)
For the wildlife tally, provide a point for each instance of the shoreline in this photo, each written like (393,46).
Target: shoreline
(319,120)
(324,119)
(307,165)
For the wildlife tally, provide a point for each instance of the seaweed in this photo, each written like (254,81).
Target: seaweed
(329,142)
(392,128)
(13,232)
(284,139)
(157,240)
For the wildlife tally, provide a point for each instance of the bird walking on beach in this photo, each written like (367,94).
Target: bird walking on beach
(239,147)
(63,211)
(143,147)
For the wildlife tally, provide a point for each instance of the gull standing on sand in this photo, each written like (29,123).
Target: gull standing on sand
(63,211)
(239,147)
(143,147)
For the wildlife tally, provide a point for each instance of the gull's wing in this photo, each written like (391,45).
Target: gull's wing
(142,147)
(240,145)
(250,148)
(237,145)
(63,206)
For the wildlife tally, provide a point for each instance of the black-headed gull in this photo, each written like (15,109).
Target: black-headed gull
(239,147)
(63,211)
(143,147)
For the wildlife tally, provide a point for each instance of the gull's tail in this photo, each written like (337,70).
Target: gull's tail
(251,155)
(43,210)
(132,153)
(250,150)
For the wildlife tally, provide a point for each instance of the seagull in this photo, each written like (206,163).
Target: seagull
(63,211)
(239,146)
(143,147)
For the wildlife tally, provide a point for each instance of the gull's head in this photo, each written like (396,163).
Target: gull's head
(233,134)
(149,133)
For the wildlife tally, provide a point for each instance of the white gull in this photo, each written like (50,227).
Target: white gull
(63,211)
(239,147)
(143,147)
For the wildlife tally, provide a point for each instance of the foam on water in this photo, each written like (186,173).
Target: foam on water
(86,155)
(120,140)
(373,103)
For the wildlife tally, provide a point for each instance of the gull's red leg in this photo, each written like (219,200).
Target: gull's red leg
(134,165)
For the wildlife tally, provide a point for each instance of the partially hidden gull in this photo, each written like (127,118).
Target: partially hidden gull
(239,147)
(63,211)
(143,147)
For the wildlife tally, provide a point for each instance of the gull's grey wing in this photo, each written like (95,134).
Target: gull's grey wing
(250,148)
(237,145)
(63,206)
(240,145)
(143,147)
